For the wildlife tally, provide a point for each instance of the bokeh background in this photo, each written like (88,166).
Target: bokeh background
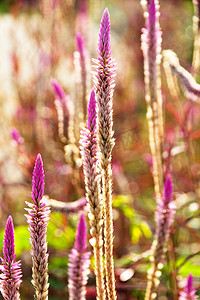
(37,42)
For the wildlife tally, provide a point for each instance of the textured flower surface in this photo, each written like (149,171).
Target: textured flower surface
(78,267)
(105,72)
(10,278)
(37,218)
(189,292)
(90,155)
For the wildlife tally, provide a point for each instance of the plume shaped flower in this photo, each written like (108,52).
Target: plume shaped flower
(90,155)
(37,218)
(10,278)
(79,263)
(105,72)
(104,86)
(189,292)
(164,219)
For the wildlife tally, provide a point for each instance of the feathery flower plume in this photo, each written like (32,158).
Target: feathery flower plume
(151,47)
(79,263)
(10,278)
(65,113)
(37,218)
(164,219)
(90,155)
(189,292)
(104,86)
(192,88)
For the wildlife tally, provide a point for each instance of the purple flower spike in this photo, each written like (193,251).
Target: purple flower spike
(92,112)
(189,292)
(168,189)
(90,155)
(81,235)
(58,91)
(38,181)
(10,279)
(165,210)
(79,264)
(105,71)
(37,218)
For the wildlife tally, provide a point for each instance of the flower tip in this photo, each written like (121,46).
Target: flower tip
(189,283)
(92,113)
(79,42)
(58,91)
(168,189)
(81,234)
(38,180)
(152,13)
(9,222)
(105,21)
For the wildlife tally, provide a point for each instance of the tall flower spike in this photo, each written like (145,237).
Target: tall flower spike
(164,219)
(10,278)
(90,156)
(37,218)
(79,263)
(189,292)
(104,86)
(151,47)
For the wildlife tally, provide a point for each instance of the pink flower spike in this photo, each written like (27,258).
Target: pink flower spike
(79,264)
(37,219)
(10,278)
(38,181)
(92,112)
(81,235)
(189,292)
(168,189)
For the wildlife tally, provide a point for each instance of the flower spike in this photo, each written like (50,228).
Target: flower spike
(37,218)
(79,264)
(10,278)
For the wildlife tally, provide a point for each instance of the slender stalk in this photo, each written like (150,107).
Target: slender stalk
(104,86)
